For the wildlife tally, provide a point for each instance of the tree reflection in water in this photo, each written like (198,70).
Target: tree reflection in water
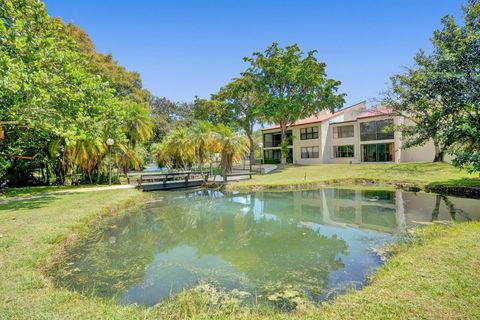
(270,253)
(309,242)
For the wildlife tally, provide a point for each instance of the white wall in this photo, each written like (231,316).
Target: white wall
(325,141)
(342,142)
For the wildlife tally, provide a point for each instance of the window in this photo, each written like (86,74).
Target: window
(344,194)
(309,133)
(310,153)
(275,139)
(343,151)
(344,214)
(272,154)
(343,132)
(377,152)
(375,130)
(275,155)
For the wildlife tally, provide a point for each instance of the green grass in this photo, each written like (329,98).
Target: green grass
(418,174)
(28,191)
(436,277)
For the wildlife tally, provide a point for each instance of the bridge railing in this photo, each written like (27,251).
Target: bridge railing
(165,177)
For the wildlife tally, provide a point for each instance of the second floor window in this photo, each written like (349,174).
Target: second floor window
(275,139)
(376,130)
(343,132)
(310,153)
(309,133)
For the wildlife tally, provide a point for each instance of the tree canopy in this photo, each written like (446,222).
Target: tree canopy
(440,94)
(281,85)
(291,86)
(60,101)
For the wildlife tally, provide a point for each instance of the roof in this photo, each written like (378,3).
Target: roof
(323,117)
(314,119)
(342,122)
(375,113)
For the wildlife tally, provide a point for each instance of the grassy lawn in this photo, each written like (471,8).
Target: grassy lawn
(436,277)
(419,174)
(28,191)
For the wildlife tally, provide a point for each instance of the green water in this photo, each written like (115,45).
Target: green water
(314,243)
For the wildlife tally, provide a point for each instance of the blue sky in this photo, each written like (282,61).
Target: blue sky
(191,48)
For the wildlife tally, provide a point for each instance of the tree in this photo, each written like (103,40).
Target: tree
(63,100)
(127,84)
(185,146)
(232,147)
(440,94)
(214,111)
(138,125)
(291,86)
(202,141)
(168,115)
(242,102)
(175,150)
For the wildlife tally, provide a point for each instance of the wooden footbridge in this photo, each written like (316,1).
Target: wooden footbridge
(150,181)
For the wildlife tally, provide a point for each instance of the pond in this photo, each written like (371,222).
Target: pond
(265,245)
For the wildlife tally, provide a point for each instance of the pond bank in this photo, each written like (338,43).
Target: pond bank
(430,177)
(435,276)
(461,191)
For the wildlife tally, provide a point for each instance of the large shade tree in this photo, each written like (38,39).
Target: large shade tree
(60,104)
(242,100)
(236,105)
(291,85)
(440,94)
(168,115)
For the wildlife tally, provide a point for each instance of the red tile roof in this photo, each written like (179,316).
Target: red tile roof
(314,119)
(325,117)
(375,113)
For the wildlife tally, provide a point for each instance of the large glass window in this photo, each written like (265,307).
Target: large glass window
(375,130)
(379,216)
(309,133)
(272,154)
(310,152)
(343,132)
(275,155)
(343,151)
(271,140)
(377,152)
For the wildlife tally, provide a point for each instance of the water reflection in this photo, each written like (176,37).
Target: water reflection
(313,242)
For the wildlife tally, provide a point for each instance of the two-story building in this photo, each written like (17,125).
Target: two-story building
(351,135)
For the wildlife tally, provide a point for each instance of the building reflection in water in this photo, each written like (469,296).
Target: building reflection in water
(379,210)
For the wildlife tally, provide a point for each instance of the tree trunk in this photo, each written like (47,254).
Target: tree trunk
(252,151)
(283,138)
(47,174)
(439,154)
(436,209)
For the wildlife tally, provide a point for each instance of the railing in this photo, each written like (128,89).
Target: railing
(166,177)
(238,174)
(162,180)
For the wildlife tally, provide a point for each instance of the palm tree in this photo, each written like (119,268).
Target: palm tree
(232,147)
(138,123)
(127,157)
(175,150)
(86,154)
(202,140)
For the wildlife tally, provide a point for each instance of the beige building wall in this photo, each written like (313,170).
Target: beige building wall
(299,144)
(325,141)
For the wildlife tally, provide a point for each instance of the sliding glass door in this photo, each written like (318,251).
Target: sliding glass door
(377,152)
